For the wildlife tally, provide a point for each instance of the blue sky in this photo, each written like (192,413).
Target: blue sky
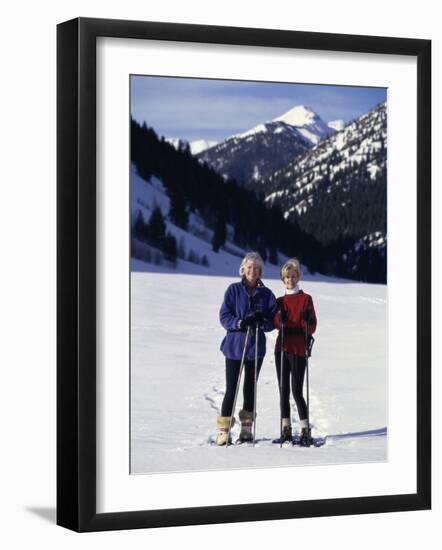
(191,108)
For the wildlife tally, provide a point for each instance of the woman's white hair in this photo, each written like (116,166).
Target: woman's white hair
(292,264)
(252,257)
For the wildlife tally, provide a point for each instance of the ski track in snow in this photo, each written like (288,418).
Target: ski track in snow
(215,398)
(177,390)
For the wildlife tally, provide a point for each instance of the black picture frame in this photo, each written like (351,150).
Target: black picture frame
(77,286)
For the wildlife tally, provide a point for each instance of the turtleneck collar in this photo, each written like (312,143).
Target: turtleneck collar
(295,290)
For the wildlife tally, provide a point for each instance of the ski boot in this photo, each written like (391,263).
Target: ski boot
(286,430)
(223,423)
(305,439)
(245,435)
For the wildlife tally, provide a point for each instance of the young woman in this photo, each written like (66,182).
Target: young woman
(246,304)
(296,319)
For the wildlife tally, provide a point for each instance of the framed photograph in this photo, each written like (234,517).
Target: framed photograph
(244,306)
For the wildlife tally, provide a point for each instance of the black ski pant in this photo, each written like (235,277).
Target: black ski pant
(293,369)
(232,374)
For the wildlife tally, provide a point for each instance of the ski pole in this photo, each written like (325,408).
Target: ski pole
(308,399)
(307,322)
(256,381)
(281,386)
(241,368)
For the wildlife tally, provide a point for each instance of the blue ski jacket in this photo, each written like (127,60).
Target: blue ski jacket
(237,305)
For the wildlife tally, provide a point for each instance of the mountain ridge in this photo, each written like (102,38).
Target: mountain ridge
(257,152)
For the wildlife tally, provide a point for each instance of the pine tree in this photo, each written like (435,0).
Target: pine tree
(273,256)
(182,249)
(139,229)
(262,251)
(178,213)
(157,228)
(170,248)
(219,234)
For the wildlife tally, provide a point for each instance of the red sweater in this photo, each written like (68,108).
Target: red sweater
(294,306)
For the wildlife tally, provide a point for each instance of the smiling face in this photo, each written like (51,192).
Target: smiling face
(252,272)
(291,279)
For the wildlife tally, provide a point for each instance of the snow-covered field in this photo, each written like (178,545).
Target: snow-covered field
(177,375)
(177,370)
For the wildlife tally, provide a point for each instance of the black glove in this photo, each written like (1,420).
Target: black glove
(283,316)
(251,320)
(309,341)
(248,322)
(242,325)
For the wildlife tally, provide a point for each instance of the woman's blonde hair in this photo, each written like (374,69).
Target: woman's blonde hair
(292,264)
(252,257)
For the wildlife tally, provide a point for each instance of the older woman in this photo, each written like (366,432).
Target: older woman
(247,304)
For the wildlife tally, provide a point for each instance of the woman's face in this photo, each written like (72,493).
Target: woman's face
(252,271)
(291,279)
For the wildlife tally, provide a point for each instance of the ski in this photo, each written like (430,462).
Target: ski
(314,441)
(296,440)
(238,442)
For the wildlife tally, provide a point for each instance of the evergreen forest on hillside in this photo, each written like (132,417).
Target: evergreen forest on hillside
(321,241)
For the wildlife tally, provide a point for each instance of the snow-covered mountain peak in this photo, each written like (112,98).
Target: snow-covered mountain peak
(298,116)
(308,123)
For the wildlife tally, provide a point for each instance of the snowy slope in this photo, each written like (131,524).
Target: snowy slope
(337,125)
(145,196)
(197,146)
(177,376)
(201,145)
(257,152)
(359,147)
